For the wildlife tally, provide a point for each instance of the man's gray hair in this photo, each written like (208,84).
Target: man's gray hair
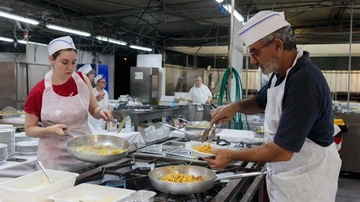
(285,34)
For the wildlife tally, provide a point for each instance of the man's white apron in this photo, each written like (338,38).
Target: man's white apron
(312,174)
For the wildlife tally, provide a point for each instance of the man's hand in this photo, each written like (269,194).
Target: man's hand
(222,158)
(223,114)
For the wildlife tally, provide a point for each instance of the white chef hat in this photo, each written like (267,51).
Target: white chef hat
(60,43)
(98,77)
(85,69)
(261,25)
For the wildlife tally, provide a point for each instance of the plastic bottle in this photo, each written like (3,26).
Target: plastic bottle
(174,103)
(128,124)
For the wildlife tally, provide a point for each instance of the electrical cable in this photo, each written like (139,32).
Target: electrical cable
(237,119)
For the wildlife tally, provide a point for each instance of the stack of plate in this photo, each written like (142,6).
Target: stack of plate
(7,136)
(19,137)
(27,147)
(3,152)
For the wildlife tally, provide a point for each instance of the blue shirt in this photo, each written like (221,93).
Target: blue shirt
(307,107)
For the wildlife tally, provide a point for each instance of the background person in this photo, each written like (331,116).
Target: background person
(199,93)
(100,91)
(61,101)
(303,162)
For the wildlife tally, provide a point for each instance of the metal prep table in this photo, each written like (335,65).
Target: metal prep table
(138,116)
(350,150)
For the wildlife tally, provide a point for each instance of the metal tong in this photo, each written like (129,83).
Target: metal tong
(211,130)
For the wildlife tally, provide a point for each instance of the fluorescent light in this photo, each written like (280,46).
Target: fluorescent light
(140,48)
(236,14)
(219,1)
(6,39)
(64,29)
(110,40)
(19,18)
(31,42)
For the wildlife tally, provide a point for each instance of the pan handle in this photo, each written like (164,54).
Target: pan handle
(241,175)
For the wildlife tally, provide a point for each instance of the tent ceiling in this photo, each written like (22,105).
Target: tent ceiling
(168,23)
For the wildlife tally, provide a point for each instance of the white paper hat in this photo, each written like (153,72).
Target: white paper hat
(261,25)
(98,77)
(60,43)
(85,69)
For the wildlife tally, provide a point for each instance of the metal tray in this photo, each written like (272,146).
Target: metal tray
(183,152)
(157,149)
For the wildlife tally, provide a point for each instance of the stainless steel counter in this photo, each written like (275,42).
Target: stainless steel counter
(350,150)
(138,116)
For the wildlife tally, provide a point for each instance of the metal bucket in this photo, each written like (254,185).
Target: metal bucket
(199,112)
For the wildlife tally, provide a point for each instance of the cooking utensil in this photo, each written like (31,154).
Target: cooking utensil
(113,121)
(46,173)
(189,188)
(189,136)
(74,144)
(121,125)
(69,133)
(210,130)
(184,120)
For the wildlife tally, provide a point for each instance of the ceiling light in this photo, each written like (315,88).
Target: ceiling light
(140,48)
(31,42)
(110,40)
(219,1)
(6,39)
(236,14)
(64,29)
(19,18)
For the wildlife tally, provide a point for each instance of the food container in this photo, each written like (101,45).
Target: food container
(141,196)
(35,187)
(91,192)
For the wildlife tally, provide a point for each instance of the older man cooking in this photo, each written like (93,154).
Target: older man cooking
(303,163)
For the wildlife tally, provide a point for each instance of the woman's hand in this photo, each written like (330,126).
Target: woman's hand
(58,129)
(105,114)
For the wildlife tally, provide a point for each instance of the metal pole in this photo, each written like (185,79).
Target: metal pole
(349,69)
(231,37)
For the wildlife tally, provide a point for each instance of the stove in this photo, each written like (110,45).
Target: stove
(132,173)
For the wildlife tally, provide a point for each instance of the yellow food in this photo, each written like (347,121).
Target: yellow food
(339,122)
(204,148)
(182,178)
(99,149)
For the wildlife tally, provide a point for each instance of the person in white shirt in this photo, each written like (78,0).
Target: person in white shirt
(103,102)
(199,93)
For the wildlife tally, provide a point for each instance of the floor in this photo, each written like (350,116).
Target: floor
(348,188)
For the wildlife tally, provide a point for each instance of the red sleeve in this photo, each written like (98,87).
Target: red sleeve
(34,99)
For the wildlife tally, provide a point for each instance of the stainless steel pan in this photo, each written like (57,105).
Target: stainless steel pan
(96,140)
(189,188)
(189,135)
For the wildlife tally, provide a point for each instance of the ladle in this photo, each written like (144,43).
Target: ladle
(46,173)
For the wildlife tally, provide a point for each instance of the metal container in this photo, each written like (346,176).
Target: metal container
(199,112)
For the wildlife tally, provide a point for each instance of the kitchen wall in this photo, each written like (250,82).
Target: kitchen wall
(38,54)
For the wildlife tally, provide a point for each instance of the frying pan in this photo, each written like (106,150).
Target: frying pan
(193,187)
(97,140)
(193,135)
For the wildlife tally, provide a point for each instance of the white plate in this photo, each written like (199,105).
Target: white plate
(193,144)
(27,143)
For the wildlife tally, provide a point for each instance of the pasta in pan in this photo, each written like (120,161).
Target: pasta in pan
(204,148)
(182,178)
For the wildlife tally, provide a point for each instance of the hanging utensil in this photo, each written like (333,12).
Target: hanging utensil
(46,173)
